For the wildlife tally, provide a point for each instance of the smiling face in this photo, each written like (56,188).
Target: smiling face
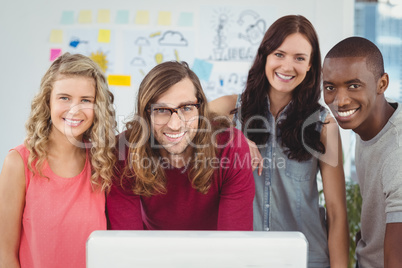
(286,66)
(72,106)
(351,92)
(176,134)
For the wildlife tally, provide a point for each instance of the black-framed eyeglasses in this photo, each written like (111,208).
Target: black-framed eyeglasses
(186,112)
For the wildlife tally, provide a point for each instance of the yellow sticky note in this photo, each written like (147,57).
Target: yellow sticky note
(56,36)
(104,36)
(142,17)
(85,16)
(165,18)
(119,80)
(104,16)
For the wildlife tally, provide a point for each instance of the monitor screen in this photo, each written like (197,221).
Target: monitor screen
(168,249)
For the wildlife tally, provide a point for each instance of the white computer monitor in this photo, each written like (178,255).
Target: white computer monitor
(193,249)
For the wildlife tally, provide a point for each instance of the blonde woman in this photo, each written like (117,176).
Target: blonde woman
(52,187)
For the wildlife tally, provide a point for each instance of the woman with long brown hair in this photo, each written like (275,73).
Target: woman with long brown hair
(292,138)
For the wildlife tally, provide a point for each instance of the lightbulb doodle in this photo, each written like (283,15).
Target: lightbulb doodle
(101,59)
(158,58)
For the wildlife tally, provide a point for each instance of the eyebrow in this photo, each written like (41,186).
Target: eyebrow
(163,105)
(354,81)
(68,95)
(297,54)
(327,82)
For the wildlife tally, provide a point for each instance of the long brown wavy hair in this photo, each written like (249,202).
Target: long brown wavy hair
(151,180)
(100,137)
(305,97)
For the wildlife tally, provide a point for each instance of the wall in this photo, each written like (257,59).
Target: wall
(25,27)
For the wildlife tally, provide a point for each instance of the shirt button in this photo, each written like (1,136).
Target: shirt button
(267,183)
(267,229)
(267,205)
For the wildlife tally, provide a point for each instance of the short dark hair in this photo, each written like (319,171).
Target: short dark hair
(360,47)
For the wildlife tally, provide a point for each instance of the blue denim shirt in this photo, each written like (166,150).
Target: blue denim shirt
(286,197)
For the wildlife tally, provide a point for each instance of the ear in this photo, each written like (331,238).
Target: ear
(382,83)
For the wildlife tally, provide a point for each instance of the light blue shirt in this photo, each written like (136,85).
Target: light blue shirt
(286,196)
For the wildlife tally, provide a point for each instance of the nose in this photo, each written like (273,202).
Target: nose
(75,108)
(175,123)
(287,64)
(342,98)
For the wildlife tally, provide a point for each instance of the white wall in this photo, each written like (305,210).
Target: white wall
(24,48)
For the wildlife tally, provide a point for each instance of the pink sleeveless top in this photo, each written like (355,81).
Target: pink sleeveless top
(59,215)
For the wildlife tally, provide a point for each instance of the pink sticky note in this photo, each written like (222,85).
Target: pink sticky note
(54,53)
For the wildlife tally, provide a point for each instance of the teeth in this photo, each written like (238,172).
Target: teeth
(347,113)
(72,122)
(175,136)
(285,77)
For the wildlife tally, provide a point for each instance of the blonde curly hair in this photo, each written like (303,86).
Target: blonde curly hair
(100,136)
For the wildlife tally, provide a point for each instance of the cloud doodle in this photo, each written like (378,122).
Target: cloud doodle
(171,38)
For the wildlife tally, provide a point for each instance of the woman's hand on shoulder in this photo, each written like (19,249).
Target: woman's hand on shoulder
(223,105)
(330,137)
(256,158)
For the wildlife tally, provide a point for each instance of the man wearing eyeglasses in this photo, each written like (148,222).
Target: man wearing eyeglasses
(178,168)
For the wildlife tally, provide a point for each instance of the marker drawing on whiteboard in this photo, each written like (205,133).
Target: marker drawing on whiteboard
(172,38)
(155,34)
(176,54)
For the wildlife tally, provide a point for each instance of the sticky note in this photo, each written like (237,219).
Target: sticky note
(164,18)
(186,19)
(119,80)
(56,36)
(202,69)
(122,17)
(85,16)
(142,17)
(104,36)
(67,17)
(54,53)
(103,16)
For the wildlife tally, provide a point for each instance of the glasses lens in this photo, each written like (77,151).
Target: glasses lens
(188,112)
(162,115)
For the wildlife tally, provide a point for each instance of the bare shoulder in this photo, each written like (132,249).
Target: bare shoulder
(12,202)
(13,171)
(223,105)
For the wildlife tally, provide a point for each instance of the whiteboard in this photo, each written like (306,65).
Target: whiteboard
(27,27)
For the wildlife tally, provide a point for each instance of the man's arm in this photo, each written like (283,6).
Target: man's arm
(335,195)
(392,186)
(223,105)
(393,245)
